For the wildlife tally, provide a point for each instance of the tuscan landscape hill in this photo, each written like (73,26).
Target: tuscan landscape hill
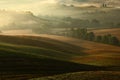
(25,57)
(30,56)
(59,40)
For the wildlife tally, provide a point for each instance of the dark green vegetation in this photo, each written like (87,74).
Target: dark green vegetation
(90,75)
(24,57)
(84,34)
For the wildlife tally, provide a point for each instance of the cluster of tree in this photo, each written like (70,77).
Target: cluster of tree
(108,39)
(84,34)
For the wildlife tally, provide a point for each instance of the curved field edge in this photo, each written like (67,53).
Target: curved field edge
(41,42)
(65,48)
(20,61)
(96,53)
(34,51)
(19,57)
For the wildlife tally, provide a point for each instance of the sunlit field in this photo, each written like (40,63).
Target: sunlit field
(59,40)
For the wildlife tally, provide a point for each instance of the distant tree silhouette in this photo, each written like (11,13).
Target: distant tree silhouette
(84,34)
(99,38)
(104,5)
(115,40)
(105,39)
(91,36)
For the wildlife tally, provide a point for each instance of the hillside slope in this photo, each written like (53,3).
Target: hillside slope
(97,53)
(42,42)
(113,31)
(98,75)
(24,58)
(29,56)
(14,63)
(75,50)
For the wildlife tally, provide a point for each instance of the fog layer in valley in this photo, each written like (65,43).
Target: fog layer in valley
(51,16)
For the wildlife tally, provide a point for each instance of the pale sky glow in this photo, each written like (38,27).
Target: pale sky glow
(15,3)
(12,9)
(13,6)
(37,6)
(24,5)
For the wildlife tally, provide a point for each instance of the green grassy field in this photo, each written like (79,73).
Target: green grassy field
(25,57)
(96,53)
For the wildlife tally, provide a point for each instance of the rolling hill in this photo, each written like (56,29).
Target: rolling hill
(113,31)
(70,49)
(25,57)
(31,56)
(97,53)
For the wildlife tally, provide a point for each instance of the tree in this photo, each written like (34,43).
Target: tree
(83,33)
(115,40)
(109,36)
(99,38)
(91,36)
(105,39)
(104,5)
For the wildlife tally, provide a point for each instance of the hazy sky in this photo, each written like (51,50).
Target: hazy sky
(36,5)
(25,4)
(14,4)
